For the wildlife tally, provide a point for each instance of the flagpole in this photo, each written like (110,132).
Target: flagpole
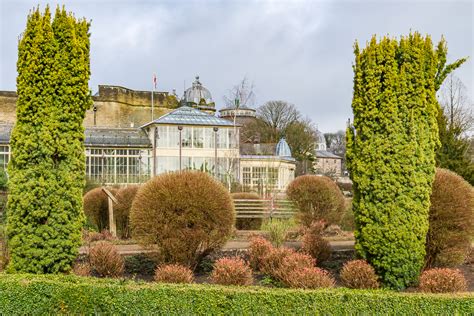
(152,105)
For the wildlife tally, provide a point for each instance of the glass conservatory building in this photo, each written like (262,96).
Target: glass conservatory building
(190,139)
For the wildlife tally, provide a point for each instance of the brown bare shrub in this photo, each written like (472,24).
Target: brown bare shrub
(105,261)
(247,223)
(442,280)
(125,198)
(317,198)
(173,273)
(91,236)
(259,247)
(358,274)
(451,220)
(185,214)
(290,263)
(309,278)
(231,271)
(96,208)
(314,244)
(81,269)
(274,259)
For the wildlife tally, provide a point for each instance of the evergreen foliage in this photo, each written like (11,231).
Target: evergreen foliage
(47,167)
(453,152)
(67,294)
(391,153)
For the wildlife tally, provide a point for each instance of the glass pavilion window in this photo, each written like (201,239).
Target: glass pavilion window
(264,177)
(196,137)
(117,165)
(4,156)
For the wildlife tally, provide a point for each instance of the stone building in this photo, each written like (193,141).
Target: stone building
(326,162)
(128,141)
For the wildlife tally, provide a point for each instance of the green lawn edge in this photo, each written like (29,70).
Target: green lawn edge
(68,294)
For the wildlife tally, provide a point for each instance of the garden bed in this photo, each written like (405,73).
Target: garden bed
(141,267)
(38,295)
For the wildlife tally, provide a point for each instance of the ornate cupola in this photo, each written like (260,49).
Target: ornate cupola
(283,149)
(199,97)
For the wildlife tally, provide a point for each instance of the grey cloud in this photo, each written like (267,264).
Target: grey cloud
(299,51)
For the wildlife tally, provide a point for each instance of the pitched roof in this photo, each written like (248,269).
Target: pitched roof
(116,137)
(326,154)
(186,115)
(98,137)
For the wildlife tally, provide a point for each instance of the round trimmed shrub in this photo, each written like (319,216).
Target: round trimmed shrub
(317,198)
(96,208)
(231,271)
(125,198)
(314,244)
(309,278)
(291,263)
(442,280)
(259,248)
(271,262)
(451,220)
(186,215)
(247,223)
(173,273)
(358,274)
(105,261)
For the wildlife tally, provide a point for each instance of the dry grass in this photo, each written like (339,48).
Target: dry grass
(105,261)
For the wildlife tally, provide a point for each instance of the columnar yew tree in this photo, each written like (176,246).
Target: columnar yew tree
(47,166)
(391,153)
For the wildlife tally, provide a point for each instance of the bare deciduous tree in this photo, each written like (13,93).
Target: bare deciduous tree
(276,116)
(456,106)
(243,94)
(336,142)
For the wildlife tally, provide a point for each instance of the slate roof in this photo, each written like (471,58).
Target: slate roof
(267,157)
(326,154)
(98,137)
(186,115)
(116,137)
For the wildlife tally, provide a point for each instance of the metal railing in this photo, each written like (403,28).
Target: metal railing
(264,208)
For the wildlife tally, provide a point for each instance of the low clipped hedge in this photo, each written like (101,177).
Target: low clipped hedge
(40,294)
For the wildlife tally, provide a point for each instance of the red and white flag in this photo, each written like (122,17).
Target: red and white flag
(154,81)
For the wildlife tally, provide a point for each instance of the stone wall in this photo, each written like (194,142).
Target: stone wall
(115,107)
(7,106)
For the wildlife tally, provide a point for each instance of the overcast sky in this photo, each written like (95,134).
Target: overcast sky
(297,51)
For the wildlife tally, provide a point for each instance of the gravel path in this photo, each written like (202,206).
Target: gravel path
(136,249)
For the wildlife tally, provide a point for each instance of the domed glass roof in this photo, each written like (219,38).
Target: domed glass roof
(198,94)
(282,149)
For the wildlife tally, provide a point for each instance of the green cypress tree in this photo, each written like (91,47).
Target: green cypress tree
(47,166)
(391,153)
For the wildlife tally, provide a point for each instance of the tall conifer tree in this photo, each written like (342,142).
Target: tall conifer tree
(391,153)
(47,167)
